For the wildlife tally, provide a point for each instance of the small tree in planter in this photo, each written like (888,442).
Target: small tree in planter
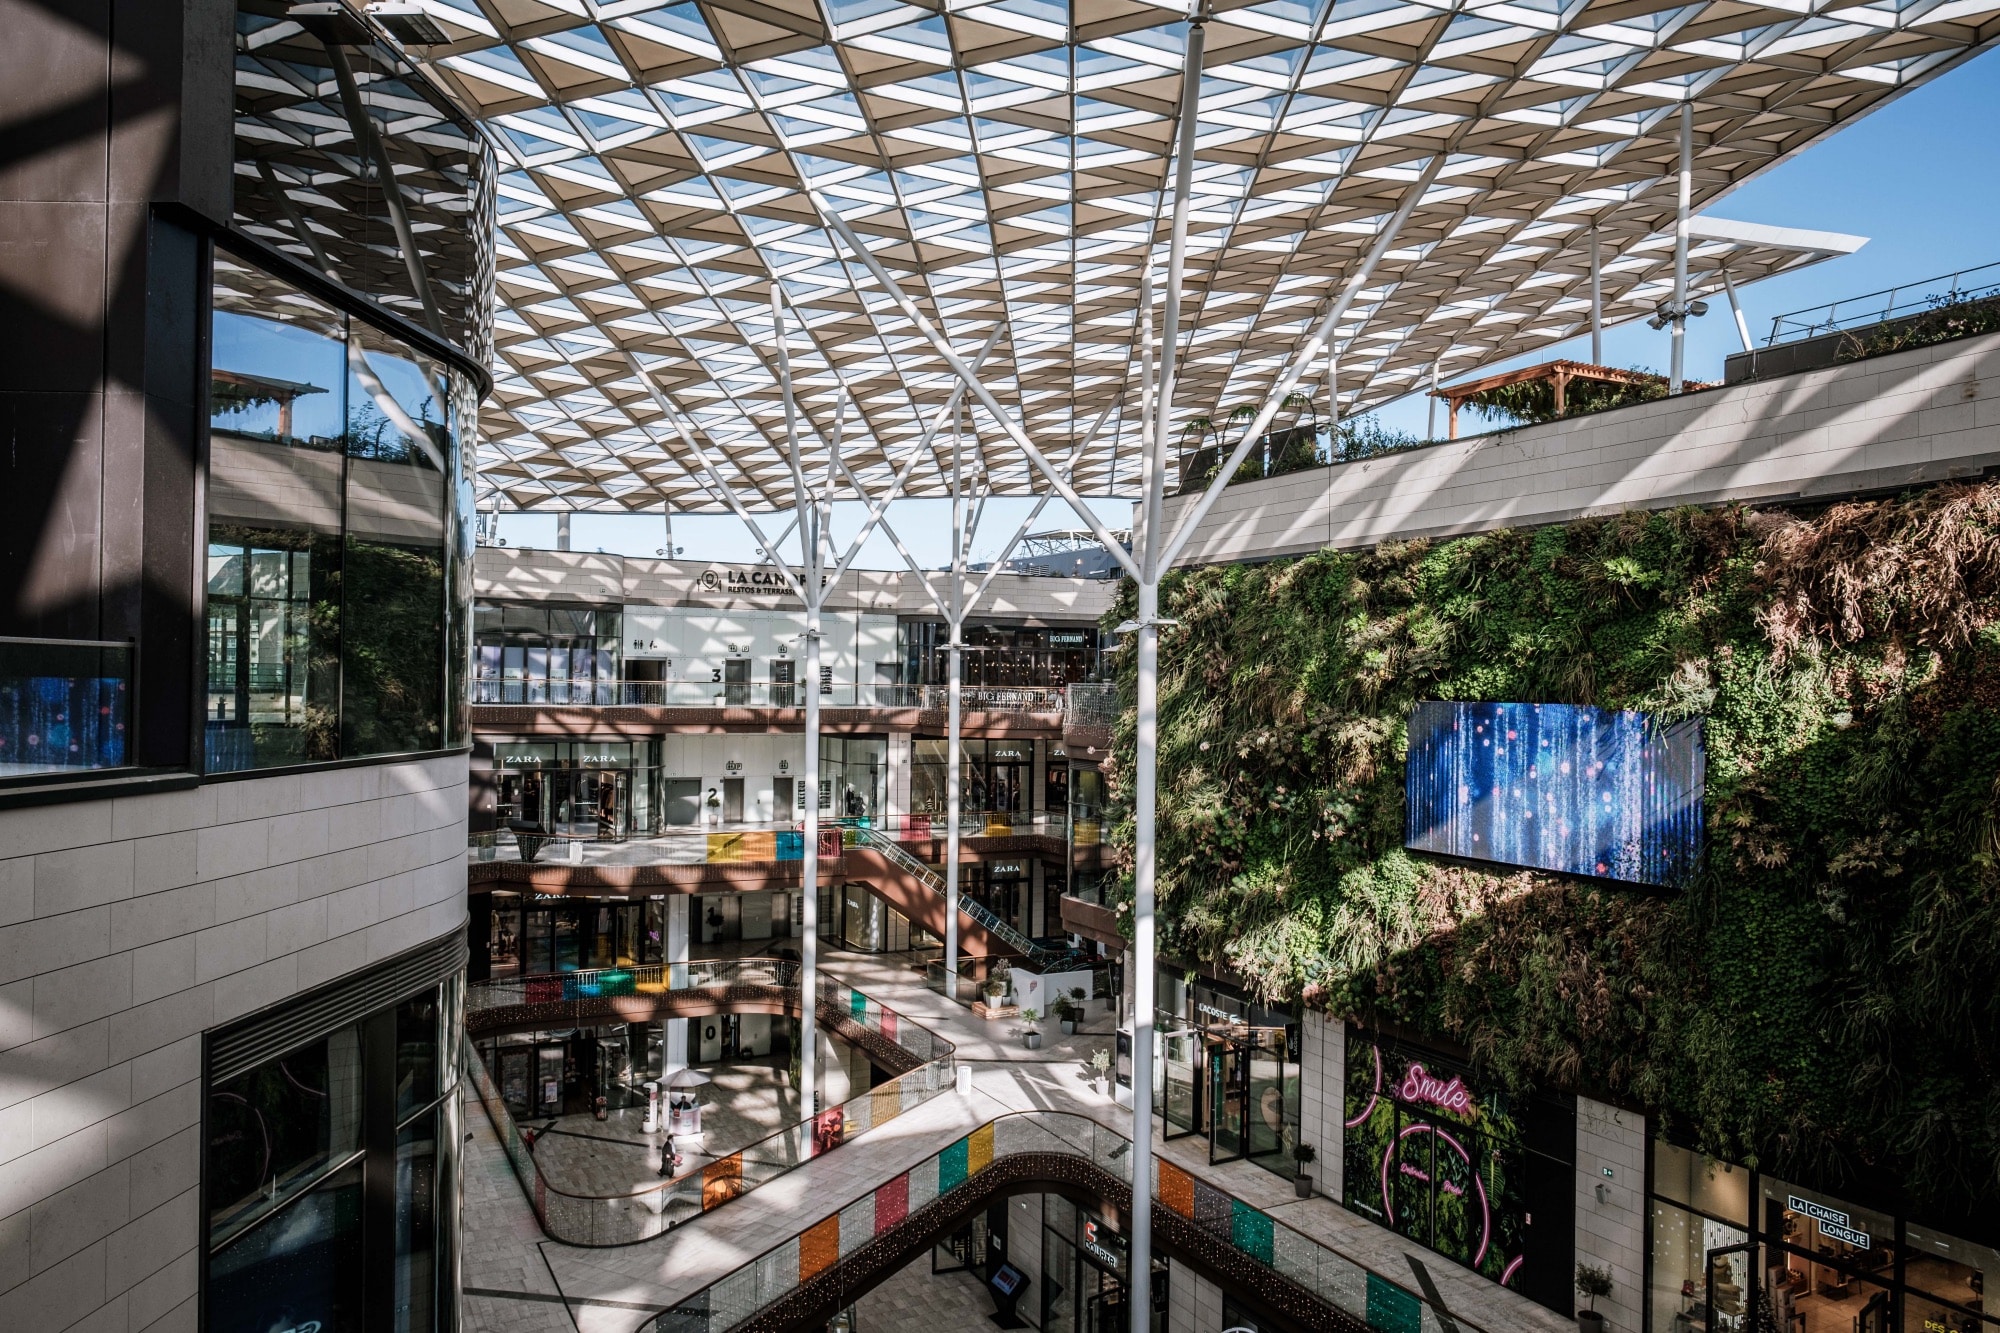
(1302,1183)
(1100,1068)
(1032,1038)
(1079,1003)
(1590,1284)
(1066,1015)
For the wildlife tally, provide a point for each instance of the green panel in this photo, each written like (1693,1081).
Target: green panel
(1250,1230)
(1391,1309)
(857,1004)
(952,1166)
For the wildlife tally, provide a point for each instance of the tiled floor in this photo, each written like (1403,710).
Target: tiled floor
(744,1104)
(612,1290)
(915,1300)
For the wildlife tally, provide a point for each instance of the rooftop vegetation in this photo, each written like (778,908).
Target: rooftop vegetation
(1824,998)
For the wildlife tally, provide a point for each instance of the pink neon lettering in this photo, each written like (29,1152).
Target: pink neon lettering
(1419,1085)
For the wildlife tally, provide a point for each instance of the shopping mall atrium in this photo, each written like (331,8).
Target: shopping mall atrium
(745,666)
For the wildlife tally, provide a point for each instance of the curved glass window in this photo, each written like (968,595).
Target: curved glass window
(337,505)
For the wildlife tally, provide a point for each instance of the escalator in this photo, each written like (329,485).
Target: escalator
(918,891)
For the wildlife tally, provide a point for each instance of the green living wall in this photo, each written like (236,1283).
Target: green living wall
(1823,999)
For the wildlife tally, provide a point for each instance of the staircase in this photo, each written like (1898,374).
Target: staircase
(1039,957)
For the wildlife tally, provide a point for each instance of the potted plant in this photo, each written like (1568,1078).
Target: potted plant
(1079,1001)
(1100,1067)
(1065,1015)
(1302,1183)
(1590,1284)
(1032,1038)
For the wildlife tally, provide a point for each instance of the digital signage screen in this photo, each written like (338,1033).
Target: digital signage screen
(1583,791)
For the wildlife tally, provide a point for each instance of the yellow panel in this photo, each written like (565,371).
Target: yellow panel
(979,1149)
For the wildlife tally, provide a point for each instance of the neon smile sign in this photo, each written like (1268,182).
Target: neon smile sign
(1420,1086)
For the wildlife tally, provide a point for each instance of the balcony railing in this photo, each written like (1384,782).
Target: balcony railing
(692,847)
(578,1218)
(1337,1282)
(1092,705)
(1024,699)
(65,706)
(1909,301)
(971,824)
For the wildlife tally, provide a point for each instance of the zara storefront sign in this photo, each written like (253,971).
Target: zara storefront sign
(1832,1222)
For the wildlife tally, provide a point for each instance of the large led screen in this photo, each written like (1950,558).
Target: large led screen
(1556,787)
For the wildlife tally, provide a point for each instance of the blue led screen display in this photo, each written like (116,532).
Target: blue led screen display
(1585,791)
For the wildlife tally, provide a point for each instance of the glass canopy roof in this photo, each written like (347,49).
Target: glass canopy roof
(1006,160)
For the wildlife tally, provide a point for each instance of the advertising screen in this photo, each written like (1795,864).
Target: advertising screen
(1584,791)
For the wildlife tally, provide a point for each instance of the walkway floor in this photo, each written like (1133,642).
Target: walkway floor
(512,1272)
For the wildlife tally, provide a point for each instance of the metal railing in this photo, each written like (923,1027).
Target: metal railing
(971,824)
(578,1218)
(1909,299)
(693,846)
(488,691)
(1092,705)
(877,840)
(994,698)
(1330,1277)
(65,705)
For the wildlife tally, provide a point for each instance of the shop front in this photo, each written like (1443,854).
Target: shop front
(994,776)
(1734,1250)
(577,789)
(539,933)
(1227,1069)
(1433,1152)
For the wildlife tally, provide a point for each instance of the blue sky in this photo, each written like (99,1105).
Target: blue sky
(1920,178)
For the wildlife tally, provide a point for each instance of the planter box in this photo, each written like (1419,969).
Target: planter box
(980,1009)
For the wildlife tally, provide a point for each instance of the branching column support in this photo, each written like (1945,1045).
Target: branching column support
(1305,357)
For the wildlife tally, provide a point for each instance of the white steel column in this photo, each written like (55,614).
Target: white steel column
(1596,302)
(1676,375)
(956,624)
(808,514)
(1431,421)
(1146,768)
(1736,309)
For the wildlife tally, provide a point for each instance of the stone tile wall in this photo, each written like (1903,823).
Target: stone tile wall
(1322,1072)
(1888,422)
(1611,1232)
(128,927)
(1194,1304)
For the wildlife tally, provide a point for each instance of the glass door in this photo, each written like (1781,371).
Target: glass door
(1180,1070)
(1229,1098)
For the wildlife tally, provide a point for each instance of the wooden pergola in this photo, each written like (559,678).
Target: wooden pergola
(1557,373)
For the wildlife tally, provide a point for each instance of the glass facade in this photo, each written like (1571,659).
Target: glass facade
(536,936)
(578,789)
(993,775)
(336,457)
(331,1178)
(344,154)
(546,654)
(1735,1249)
(1001,656)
